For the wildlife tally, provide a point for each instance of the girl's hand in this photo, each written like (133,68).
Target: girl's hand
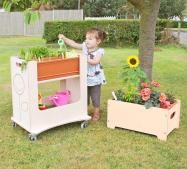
(70,42)
(61,36)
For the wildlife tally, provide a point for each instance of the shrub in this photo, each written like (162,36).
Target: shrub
(119,31)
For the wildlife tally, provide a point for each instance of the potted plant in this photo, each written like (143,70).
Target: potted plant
(50,63)
(141,105)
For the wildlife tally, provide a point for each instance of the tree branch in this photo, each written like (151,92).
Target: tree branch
(136,3)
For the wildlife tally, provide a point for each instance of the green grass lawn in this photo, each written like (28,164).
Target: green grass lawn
(176,29)
(95,147)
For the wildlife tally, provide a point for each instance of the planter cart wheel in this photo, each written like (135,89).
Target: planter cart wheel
(14,124)
(32,137)
(84,124)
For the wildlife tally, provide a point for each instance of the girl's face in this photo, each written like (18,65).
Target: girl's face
(91,41)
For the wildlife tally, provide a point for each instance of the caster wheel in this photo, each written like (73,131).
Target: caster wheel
(32,137)
(84,124)
(14,124)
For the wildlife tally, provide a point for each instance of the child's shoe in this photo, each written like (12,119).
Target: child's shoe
(96,116)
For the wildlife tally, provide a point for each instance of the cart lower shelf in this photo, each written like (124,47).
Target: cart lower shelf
(34,132)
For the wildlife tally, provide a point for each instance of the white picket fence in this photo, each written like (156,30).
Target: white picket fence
(101,18)
(12,23)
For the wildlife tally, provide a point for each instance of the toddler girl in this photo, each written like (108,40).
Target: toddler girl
(95,74)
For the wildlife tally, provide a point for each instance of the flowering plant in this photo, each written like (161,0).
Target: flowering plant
(152,97)
(139,90)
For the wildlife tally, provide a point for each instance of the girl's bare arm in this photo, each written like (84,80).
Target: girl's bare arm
(70,42)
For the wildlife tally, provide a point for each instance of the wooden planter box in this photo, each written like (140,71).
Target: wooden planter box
(55,68)
(155,121)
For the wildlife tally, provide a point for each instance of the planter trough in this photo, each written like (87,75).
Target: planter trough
(155,121)
(55,68)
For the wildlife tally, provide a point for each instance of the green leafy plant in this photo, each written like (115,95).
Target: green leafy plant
(39,52)
(152,97)
(34,53)
(120,94)
(132,75)
(26,58)
(30,8)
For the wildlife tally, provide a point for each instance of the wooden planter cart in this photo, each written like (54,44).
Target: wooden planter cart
(71,74)
(155,121)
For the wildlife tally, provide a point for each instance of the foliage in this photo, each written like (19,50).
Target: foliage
(127,11)
(31,16)
(139,90)
(29,7)
(152,97)
(102,7)
(132,74)
(66,4)
(40,52)
(120,9)
(36,53)
(20,5)
(91,8)
(1,3)
(16,5)
(120,94)
(118,31)
(171,8)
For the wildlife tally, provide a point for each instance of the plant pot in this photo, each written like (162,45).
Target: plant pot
(155,121)
(55,68)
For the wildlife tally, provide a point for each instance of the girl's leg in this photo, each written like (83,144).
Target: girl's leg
(95,96)
(88,95)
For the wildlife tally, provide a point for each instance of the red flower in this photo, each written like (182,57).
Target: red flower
(155,84)
(145,98)
(165,105)
(162,97)
(145,93)
(145,85)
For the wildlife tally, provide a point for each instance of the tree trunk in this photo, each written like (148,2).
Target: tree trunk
(148,16)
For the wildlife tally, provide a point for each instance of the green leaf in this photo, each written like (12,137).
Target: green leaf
(27,16)
(35,15)
(31,16)
(7,5)
(148,104)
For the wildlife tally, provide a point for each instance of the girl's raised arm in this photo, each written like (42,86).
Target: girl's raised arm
(70,42)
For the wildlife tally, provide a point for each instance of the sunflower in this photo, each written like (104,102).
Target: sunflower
(133,61)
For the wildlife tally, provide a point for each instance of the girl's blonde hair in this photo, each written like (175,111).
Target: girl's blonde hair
(98,33)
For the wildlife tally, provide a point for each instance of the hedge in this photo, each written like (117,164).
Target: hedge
(122,30)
